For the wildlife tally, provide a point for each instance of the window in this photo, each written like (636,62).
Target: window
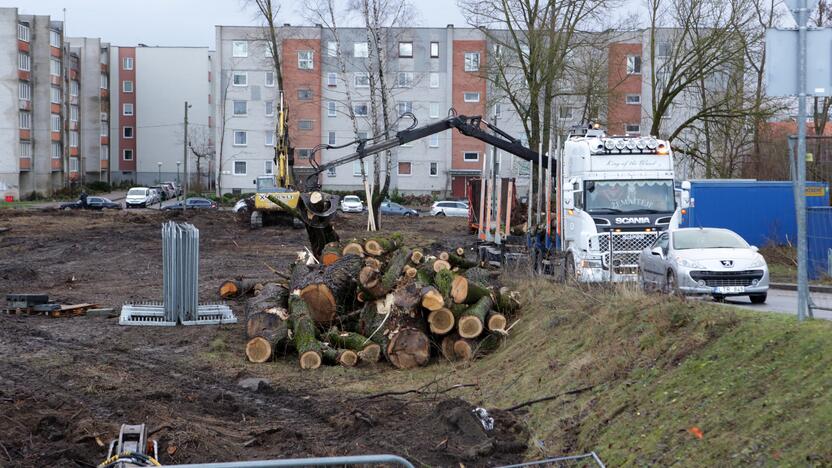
(633,64)
(24,91)
(127,86)
(434,110)
(127,109)
(240,168)
(73,139)
(104,56)
(105,116)
(632,129)
(404,107)
(362,80)
(305,60)
(360,109)
(104,154)
(269,139)
(434,169)
(471,156)
(55,95)
(24,62)
(25,121)
(434,140)
(405,168)
(25,149)
(239,49)
(356,168)
(269,81)
(73,164)
(305,124)
(472,61)
(128,132)
(332,79)
(73,113)
(305,94)
(127,63)
(105,81)
(498,110)
(331,138)
(239,79)
(565,112)
(54,67)
(269,108)
(434,50)
(360,50)
(57,150)
(74,87)
(304,153)
(55,122)
(434,80)
(240,138)
(406,49)
(331,109)
(332,49)
(240,108)
(471,97)
(663,49)
(127,155)
(633,99)
(404,79)
(54,38)
(330,171)
(23,32)
(104,130)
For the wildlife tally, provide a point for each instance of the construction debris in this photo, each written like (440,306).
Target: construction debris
(376,297)
(38,304)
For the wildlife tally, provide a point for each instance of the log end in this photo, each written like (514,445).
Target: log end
(459,289)
(370,353)
(228,289)
(310,360)
(372,247)
(258,349)
(447,347)
(408,349)
(441,321)
(440,265)
(329,258)
(321,302)
(497,321)
(348,358)
(416,257)
(470,326)
(460,251)
(444,256)
(463,350)
(353,248)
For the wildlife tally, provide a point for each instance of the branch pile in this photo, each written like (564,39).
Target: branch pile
(375,298)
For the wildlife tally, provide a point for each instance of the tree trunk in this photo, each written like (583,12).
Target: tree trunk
(367,350)
(468,349)
(444,281)
(460,262)
(496,321)
(467,292)
(472,320)
(441,321)
(395,266)
(353,247)
(447,346)
(369,279)
(303,329)
(380,245)
(331,253)
(328,289)
(235,288)
(432,299)
(507,301)
(416,256)
(344,357)
(268,341)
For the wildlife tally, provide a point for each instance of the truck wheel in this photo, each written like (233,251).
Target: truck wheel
(256,219)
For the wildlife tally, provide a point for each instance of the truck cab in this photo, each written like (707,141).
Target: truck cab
(617,195)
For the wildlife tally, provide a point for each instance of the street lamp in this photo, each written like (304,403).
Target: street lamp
(159,181)
(178,185)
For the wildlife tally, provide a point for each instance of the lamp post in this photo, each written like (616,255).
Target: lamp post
(159,180)
(178,185)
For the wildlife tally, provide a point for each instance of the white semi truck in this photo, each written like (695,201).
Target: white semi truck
(616,195)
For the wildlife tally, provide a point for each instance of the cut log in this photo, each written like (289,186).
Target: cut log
(397,326)
(447,346)
(439,265)
(370,353)
(416,256)
(394,268)
(369,279)
(235,288)
(367,350)
(316,198)
(496,321)
(344,357)
(319,229)
(441,321)
(267,342)
(409,271)
(444,256)
(353,247)
(303,334)
(373,262)
(432,299)
(458,261)
(331,253)
(381,245)
(507,301)
(468,349)
(467,292)
(471,321)
(327,290)
(444,281)
(460,251)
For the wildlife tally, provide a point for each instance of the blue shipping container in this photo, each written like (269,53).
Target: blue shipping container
(762,212)
(819,240)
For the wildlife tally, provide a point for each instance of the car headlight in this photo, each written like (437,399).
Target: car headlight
(688,263)
(758,262)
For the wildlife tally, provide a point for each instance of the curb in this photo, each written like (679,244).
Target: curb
(793,287)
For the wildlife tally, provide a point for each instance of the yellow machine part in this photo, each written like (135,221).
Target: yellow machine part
(262,202)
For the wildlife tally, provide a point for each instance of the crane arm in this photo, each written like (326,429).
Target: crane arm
(471,126)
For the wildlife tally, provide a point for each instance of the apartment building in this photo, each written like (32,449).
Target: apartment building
(149,87)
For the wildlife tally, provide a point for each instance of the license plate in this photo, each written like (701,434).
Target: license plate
(729,289)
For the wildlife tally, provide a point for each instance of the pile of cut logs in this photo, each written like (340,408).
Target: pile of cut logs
(372,298)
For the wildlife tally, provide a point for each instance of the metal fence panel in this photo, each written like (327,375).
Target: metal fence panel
(327,461)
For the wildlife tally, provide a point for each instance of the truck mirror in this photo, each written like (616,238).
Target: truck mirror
(686,185)
(657,251)
(568,201)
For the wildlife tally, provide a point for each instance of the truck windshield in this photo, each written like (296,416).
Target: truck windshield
(629,196)
(266,183)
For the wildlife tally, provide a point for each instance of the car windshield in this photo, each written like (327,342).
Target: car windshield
(707,239)
(629,196)
(352,198)
(137,191)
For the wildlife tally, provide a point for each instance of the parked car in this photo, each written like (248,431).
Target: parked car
(449,208)
(394,209)
(706,261)
(193,203)
(140,197)
(163,192)
(93,203)
(241,205)
(351,204)
(177,189)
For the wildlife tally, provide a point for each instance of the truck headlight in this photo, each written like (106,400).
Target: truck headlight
(590,263)
(688,263)
(758,262)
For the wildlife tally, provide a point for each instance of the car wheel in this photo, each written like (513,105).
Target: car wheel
(441,213)
(407,215)
(670,285)
(758,298)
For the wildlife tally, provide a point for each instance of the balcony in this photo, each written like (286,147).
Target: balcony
(105,140)
(73,74)
(55,80)
(25,105)
(73,100)
(105,68)
(25,164)
(55,51)
(105,93)
(105,164)
(56,136)
(73,125)
(25,134)
(22,46)
(73,151)
(24,75)
(57,165)
(55,108)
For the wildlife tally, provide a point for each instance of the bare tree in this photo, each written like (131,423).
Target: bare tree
(222,120)
(201,145)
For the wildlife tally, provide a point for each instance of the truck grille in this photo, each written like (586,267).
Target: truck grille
(621,249)
(727,278)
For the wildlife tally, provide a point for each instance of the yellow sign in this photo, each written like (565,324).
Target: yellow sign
(810,157)
(815,191)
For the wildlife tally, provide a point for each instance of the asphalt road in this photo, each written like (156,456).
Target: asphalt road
(784,302)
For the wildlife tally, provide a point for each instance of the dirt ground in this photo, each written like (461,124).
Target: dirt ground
(66,384)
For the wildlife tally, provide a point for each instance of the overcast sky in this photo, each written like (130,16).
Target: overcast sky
(185,22)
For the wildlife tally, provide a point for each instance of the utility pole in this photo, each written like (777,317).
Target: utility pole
(185,155)
(800,201)
(495,192)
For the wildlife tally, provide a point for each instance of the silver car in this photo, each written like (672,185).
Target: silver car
(449,208)
(704,261)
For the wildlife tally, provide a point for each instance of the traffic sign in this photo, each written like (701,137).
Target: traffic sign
(782,62)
